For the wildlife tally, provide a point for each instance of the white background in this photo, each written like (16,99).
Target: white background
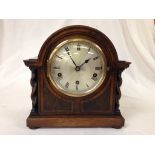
(134,41)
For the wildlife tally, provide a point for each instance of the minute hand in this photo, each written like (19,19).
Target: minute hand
(71,59)
(86,61)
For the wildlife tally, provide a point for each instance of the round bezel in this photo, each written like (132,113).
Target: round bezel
(53,53)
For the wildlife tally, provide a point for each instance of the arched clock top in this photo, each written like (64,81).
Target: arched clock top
(77,31)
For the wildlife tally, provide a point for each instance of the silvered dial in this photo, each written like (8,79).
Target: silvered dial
(77,67)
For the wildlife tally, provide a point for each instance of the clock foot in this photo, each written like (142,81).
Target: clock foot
(117,127)
(31,127)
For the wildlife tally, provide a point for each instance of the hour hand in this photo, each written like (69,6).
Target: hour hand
(86,61)
(71,59)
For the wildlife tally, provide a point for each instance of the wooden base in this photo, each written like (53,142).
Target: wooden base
(34,122)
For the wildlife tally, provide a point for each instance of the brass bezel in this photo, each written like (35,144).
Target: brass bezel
(52,81)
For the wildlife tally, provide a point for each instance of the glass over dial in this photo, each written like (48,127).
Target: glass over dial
(77,67)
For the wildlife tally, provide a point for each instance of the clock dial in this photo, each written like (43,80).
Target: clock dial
(77,67)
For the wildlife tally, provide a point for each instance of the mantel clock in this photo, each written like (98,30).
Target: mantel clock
(76,81)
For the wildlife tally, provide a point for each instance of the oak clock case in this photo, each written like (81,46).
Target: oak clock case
(76,81)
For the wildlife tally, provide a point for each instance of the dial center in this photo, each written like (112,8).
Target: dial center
(77,68)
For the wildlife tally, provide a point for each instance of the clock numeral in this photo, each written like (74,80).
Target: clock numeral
(78,47)
(59,74)
(94,77)
(59,57)
(66,48)
(87,85)
(77,83)
(95,58)
(60,77)
(76,87)
(98,68)
(89,49)
(56,67)
(67,85)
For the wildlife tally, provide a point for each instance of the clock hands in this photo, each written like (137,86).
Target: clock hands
(86,61)
(77,68)
(72,59)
